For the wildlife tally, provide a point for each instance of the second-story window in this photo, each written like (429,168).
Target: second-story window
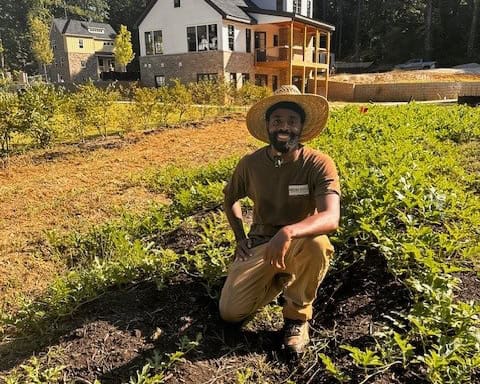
(80,43)
(279,5)
(231,37)
(153,43)
(275,40)
(176,3)
(202,38)
(297,6)
(309,8)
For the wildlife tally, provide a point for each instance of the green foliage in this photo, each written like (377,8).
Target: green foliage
(40,35)
(332,369)
(9,114)
(251,93)
(181,97)
(38,107)
(123,47)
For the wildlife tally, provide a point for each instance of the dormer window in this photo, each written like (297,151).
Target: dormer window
(176,3)
(96,30)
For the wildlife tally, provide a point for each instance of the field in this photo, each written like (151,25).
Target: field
(113,253)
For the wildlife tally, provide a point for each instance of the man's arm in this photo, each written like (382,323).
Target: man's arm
(326,220)
(233,211)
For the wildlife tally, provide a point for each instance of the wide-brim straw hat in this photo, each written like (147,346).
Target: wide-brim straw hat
(315,107)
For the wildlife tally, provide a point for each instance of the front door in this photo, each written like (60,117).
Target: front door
(261,46)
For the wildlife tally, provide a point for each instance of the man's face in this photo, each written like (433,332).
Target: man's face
(284,129)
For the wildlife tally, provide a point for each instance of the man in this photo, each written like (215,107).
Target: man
(296,197)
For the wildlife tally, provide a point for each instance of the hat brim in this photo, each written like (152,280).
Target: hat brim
(316,115)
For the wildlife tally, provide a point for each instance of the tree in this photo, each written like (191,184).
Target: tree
(40,35)
(472,37)
(123,48)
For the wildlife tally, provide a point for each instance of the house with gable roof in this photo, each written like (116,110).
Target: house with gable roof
(268,42)
(82,50)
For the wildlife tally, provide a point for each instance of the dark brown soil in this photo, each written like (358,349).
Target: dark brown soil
(112,337)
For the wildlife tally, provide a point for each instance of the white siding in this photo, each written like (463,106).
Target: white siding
(174,21)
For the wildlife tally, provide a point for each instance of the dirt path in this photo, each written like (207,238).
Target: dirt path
(71,187)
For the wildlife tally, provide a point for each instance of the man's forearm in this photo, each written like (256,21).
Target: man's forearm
(233,212)
(319,224)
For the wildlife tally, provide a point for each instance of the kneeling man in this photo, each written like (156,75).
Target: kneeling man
(296,196)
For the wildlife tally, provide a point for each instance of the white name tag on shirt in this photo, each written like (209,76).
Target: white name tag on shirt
(298,190)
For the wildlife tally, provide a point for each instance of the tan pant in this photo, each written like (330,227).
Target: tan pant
(252,284)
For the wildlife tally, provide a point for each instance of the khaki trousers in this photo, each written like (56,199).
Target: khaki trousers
(252,284)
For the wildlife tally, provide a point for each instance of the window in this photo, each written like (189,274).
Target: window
(96,30)
(83,64)
(62,61)
(158,42)
(159,80)
(80,43)
(202,38)
(245,78)
(231,37)
(274,82)
(176,3)
(207,76)
(153,43)
(279,5)
(100,62)
(248,39)
(275,40)
(261,80)
(309,8)
(297,6)
(233,79)
(54,44)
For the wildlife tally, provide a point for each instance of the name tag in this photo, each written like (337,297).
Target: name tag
(298,190)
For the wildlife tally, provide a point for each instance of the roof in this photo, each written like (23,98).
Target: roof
(239,10)
(233,9)
(83,28)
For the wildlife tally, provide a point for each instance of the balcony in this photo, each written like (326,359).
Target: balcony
(279,57)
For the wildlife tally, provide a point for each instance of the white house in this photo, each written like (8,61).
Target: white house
(270,42)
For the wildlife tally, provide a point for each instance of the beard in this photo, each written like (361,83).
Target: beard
(284,146)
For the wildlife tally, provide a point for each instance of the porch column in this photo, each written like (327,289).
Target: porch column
(290,65)
(328,65)
(317,38)
(304,56)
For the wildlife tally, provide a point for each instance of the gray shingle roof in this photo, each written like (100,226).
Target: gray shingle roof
(232,8)
(80,28)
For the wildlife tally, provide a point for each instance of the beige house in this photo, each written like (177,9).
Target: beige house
(82,50)
(268,42)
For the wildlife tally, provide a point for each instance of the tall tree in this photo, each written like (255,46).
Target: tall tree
(472,37)
(356,39)
(40,37)
(428,29)
(123,48)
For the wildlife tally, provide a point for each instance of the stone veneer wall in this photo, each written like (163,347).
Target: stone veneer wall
(400,91)
(186,66)
(77,73)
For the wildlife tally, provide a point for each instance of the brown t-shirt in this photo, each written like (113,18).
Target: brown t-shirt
(284,195)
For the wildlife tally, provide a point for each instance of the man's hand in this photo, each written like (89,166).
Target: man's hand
(277,248)
(242,250)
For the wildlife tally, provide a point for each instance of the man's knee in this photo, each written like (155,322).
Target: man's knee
(318,245)
(228,311)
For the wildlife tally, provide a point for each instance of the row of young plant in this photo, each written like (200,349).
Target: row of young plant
(41,114)
(406,194)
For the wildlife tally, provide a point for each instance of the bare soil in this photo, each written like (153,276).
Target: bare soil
(72,187)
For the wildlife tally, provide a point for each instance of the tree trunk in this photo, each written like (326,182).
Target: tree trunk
(428,47)
(356,39)
(339,27)
(472,37)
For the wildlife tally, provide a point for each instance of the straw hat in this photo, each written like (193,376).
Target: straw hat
(315,107)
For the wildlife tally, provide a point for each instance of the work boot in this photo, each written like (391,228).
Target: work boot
(295,335)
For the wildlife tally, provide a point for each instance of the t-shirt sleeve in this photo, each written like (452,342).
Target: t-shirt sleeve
(236,188)
(325,179)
